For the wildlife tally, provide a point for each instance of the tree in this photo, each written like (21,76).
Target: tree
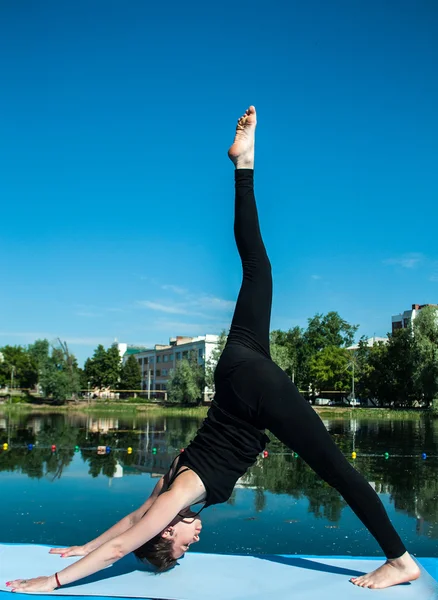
(39,353)
(130,376)
(290,353)
(17,367)
(425,328)
(103,369)
(390,376)
(186,382)
(328,369)
(329,330)
(364,368)
(60,377)
(213,360)
(281,353)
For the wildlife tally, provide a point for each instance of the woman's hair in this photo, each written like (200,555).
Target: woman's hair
(158,551)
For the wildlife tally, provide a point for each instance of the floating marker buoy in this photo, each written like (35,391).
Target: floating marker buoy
(265,454)
(5,446)
(295,455)
(182,450)
(353,455)
(53,447)
(76,448)
(108,449)
(30,446)
(386,455)
(424,456)
(129,450)
(154,450)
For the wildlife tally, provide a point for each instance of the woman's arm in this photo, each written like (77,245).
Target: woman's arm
(116,530)
(162,512)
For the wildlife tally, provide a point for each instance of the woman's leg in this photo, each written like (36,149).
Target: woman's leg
(291,418)
(252,315)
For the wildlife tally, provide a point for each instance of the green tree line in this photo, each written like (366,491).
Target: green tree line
(403,372)
(52,370)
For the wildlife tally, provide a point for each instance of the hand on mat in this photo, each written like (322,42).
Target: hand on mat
(38,584)
(72,551)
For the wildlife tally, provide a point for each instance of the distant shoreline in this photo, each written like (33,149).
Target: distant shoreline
(201,411)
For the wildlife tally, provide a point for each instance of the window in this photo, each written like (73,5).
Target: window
(164,372)
(139,361)
(171,357)
(158,358)
(178,356)
(158,373)
(151,360)
(165,358)
(185,353)
(200,353)
(158,386)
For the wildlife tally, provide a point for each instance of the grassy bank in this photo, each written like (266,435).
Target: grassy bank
(143,408)
(107,408)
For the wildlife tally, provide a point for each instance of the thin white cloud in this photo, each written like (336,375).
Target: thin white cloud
(32,335)
(200,306)
(167,308)
(181,328)
(407,261)
(316,277)
(176,289)
(214,303)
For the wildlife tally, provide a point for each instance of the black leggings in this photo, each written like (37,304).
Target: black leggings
(263,394)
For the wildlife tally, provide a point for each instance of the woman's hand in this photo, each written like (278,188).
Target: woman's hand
(38,584)
(71,551)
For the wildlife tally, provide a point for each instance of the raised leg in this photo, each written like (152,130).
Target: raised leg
(252,315)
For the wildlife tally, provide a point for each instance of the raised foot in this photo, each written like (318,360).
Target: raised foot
(393,572)
(242,150)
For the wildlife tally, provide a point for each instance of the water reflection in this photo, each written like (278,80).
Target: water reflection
(411,482)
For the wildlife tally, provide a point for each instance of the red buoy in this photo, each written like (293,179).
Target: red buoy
(265,454)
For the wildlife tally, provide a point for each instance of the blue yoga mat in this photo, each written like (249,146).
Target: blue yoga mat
(216,577)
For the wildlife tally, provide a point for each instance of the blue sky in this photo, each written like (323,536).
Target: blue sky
(117,194)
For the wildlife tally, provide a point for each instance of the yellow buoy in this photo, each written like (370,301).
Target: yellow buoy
(5,446)
(353,455)
(129,450)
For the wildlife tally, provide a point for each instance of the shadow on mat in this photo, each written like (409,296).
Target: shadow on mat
(313,565)
(125,565)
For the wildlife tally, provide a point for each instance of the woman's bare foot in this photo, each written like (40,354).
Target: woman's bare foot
(393,572)
(242,150)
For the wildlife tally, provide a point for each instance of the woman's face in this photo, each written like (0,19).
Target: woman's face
(183,531)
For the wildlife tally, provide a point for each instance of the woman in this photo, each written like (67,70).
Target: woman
(252,393)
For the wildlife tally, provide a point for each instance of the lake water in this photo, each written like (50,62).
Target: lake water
(71,495)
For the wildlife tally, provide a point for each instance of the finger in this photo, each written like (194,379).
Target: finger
(19,587)
(57,550)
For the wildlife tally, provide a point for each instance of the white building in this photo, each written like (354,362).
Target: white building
(156,363)
(404,320)
(370,342)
